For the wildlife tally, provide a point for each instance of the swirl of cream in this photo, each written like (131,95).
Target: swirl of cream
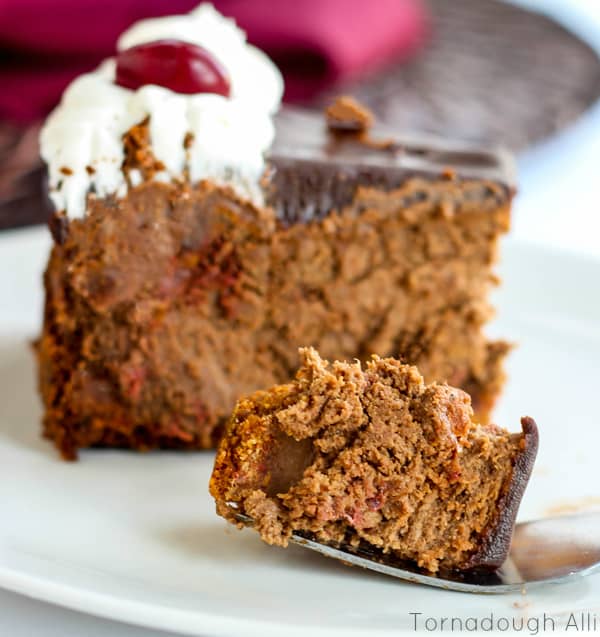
(82,140)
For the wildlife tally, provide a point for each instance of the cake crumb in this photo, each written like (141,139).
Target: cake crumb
(449,174)
(188,140)
(347,118)
(138,151)
(347,114)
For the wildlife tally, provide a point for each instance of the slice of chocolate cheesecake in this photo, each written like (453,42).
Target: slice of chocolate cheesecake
(187,270)
(354,455)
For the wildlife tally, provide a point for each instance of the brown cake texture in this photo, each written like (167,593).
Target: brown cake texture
(165,305)
(352,454)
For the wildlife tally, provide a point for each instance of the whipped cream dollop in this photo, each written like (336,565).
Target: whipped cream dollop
(82,139)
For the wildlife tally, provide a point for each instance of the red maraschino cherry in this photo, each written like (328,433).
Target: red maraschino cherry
(179,66)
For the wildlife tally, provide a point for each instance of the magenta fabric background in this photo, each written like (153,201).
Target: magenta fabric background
(317,43)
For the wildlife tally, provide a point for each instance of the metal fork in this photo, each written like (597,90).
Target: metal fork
(545,551)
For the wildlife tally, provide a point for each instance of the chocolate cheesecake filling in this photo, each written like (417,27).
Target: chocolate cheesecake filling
(385,459)
(164,306)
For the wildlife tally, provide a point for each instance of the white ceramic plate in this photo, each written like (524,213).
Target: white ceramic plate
(135,537)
